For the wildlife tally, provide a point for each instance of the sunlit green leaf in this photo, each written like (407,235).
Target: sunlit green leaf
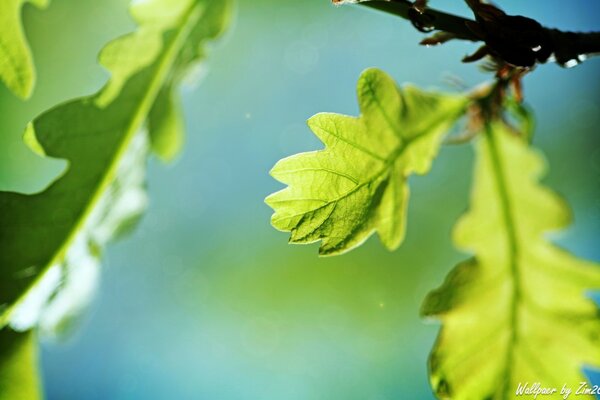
(16,64)
(18,366)
(50,242)
(358,184)
(519,312)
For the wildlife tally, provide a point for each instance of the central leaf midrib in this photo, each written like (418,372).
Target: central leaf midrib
(189,19)
(138,118)
(513,248)
(388,162)
(387,165)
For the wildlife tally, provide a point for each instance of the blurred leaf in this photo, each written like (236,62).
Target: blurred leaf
(358,184)
(18,366)
(518,312)
(16,64)
(50,242)
(165,124)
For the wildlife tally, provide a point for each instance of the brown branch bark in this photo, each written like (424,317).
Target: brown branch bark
(439,20)
(568,48)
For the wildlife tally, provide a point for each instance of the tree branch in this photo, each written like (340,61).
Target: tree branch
(574,45)
(568,48)
(439,20)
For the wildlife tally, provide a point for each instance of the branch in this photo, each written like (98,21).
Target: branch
(438,20)
(513,39)
(576,46)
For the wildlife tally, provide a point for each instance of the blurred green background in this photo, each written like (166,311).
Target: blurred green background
(206,300)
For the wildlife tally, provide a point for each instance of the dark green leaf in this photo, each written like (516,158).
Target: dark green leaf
(50,242)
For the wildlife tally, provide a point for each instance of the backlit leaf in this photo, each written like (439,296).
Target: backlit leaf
(358,184)
(518,312)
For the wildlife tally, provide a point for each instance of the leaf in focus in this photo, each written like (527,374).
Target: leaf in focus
(520,311)
(358,184)
(18,366)
(50,243)
(16,63)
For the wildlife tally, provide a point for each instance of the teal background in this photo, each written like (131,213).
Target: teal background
(205,300)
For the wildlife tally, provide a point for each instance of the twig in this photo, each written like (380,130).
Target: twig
(574,45)
(568,48)
(439,20)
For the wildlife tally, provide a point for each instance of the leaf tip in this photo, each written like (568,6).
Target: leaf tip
(23,84)
(24,90)
(31,140)
(41,4)
(269,202)
(393,242)
(373,76)
(372,72)
(168,147)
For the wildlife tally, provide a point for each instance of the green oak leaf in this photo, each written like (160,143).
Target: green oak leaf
(50,242)
(519,311)
(16,63)
(358,184)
